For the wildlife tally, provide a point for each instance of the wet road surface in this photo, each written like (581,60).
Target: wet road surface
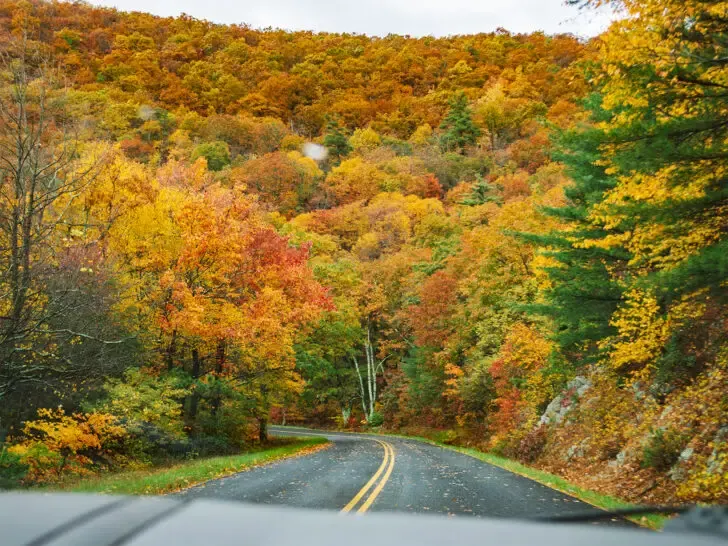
(359,473)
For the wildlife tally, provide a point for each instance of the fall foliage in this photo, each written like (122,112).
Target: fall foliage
(520,238)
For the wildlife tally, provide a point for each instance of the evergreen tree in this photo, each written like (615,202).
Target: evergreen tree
(459,129)
(336,141)
(670,148)
(648,208)
(585,289)
(482,192)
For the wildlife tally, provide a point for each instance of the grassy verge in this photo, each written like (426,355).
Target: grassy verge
(605,502)
(157,481)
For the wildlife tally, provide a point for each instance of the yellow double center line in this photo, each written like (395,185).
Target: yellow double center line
(388,463)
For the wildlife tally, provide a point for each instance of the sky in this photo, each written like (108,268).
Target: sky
(382,17)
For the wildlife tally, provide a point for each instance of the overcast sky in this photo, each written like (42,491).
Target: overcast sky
(381,17)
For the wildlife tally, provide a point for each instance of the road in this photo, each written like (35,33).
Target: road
(360,473)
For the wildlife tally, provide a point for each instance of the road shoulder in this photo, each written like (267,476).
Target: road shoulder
(557,483)
(176,478)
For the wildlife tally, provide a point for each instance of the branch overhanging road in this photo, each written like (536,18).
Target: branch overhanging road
(360,473)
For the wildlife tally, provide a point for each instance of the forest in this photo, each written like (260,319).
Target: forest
(515,242)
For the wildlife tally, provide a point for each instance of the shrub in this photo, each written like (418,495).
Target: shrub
(663,449)
(449,437)
(148,400)
(532,445)
(499,445)
(365,139)
(399,147)
(207,446)
(376,419)
(12,469)
(57,444)
(146,442)
(232,425)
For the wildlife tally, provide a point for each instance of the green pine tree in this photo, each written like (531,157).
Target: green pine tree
(585,289)
(336,141)
(459,129)
(692,144)
(676,128)
(482,192)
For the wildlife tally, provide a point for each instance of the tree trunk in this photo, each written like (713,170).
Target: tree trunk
(263,429)
(361,385)
(371,373)
(195,396)
(171,351)
(368,395)
(219,363)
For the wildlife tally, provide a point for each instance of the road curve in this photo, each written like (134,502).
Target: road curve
(360,473)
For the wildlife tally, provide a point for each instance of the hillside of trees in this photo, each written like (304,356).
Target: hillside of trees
(516,240)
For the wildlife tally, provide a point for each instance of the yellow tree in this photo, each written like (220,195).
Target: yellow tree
(663,80)
(212,277)
(48,258)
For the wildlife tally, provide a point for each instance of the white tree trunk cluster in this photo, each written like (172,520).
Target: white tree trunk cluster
(369,393)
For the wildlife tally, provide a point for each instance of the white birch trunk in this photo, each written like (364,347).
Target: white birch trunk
(373,368)
(361,385)
(371,373)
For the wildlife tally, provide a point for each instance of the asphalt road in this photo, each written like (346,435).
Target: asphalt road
(360,473)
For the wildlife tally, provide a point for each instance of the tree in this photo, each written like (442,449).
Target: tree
(459,129)
(422,135)
(336,141)
(219,290)
(583,293)
(644,246)
(666,142)
(217,154)
(41,242)
(284,180)
(323,358)
(365,139)
(432,318)
(502,116)
(374,368)
(482,192)
(352,180)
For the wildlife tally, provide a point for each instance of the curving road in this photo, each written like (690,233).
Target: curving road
(360,473)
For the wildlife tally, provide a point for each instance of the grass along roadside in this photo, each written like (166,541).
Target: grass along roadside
(598,500)
(158,481)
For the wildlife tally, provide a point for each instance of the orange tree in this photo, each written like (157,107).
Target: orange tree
(219,290)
